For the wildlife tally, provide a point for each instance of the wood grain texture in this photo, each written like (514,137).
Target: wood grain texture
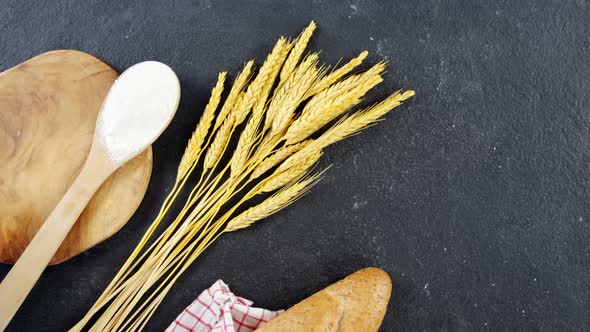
(23,276)
(48,110)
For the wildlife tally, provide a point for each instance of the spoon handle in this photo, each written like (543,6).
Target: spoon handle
(24,274)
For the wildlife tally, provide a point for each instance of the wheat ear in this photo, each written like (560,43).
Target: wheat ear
(362,119)
(282,177)
(276,158)
(266,74)
(272,204)
(300,45)
(260,88)
(331,103)
(336,75)
(290,93)
(233,98)
(275,67)
(218,145)
(194,145)
(285,104)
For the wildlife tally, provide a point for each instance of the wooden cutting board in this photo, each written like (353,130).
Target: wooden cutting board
(48,109)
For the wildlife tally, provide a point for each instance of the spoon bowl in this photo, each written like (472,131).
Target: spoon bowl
(139,106)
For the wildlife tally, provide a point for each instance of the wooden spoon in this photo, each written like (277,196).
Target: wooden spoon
(139,106)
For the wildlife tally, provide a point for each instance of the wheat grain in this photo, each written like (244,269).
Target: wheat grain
(241,113)
(271,205)
(336,75)
(218,145)
(245,142)
(297,52)
(243,148)
(299,157)
(194,145)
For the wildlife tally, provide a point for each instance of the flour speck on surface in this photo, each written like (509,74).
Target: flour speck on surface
(358,205)
(381,51)
(426,289)
(138,107)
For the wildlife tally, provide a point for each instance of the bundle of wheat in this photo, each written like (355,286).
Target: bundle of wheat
(285,107)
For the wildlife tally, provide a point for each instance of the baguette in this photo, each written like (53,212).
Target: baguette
(356,303)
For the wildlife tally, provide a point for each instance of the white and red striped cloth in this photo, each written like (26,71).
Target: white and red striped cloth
(218,309)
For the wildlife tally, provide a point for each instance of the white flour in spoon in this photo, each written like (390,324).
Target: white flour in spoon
(138,108)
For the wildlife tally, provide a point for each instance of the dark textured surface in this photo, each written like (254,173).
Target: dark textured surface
(474,197)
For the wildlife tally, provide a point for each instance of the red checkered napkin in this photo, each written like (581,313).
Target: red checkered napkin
(218,309)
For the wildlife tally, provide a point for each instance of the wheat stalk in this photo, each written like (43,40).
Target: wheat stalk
(276,136)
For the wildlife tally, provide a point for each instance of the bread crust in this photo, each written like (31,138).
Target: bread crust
(355,303)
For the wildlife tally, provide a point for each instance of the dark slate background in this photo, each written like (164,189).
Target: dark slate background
(473,197)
